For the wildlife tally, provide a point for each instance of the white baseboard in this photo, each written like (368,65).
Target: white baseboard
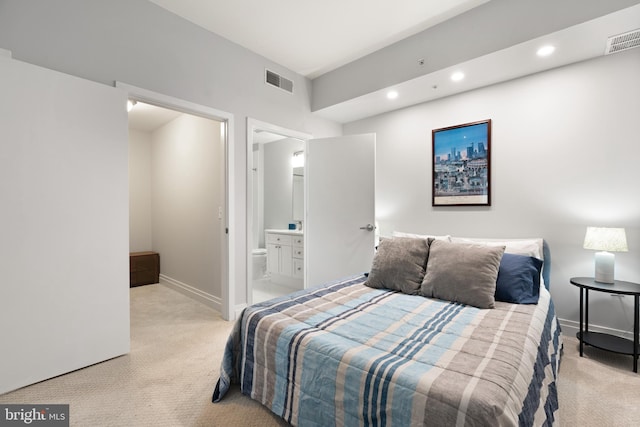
(571,328)
(5,53)
(192,292)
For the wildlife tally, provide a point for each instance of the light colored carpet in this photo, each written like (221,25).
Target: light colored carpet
(176,349)
(599,389)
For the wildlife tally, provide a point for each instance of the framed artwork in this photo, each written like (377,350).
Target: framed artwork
(462,165)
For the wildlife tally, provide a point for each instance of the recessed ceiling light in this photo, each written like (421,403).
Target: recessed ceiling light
(546,50)
(457,76)
(392,94)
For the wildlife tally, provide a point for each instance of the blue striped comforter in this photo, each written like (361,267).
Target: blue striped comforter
(346,354)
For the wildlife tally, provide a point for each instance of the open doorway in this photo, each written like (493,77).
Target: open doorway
(226,300)
(177,197)
(275,220)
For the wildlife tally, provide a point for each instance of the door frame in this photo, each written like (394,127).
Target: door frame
(227,125)
(252,126)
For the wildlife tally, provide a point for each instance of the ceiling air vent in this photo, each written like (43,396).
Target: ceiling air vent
(623,42)
(277,80)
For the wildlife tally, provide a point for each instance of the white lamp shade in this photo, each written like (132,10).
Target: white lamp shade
(605,239)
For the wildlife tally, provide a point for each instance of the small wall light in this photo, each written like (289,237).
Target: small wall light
(605,240)
(298,159)
(130,104)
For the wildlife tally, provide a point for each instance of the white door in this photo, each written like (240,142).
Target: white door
(340,207)
(64,221)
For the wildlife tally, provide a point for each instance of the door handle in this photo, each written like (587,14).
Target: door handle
(368,227)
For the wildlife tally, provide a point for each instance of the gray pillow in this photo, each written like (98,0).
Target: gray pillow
(399,264)
(462,272)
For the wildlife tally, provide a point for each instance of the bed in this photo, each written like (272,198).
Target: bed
(411,342)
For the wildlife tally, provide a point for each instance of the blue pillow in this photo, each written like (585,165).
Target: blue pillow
(518,279)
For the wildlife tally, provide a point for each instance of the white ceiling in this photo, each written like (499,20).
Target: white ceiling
(285,34)
(312,37)
(574,44)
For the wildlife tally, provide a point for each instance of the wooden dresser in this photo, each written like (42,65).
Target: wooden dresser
(144,268)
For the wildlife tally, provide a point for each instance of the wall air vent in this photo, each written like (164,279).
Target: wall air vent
(278,81)
(622,42)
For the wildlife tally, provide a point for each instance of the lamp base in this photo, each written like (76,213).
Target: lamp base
(605,267)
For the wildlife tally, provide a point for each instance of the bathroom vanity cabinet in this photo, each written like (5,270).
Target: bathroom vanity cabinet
(285,257)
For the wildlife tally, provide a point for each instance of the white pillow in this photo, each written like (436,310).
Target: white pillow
(446,238)
(528,247)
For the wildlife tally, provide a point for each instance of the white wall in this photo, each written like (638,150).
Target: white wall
(187,166)
(565,153)
(140,229)
(139,43)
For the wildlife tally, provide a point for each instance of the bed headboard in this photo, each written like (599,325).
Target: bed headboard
(546,264)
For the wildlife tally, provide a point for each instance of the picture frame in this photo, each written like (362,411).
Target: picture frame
(461,160)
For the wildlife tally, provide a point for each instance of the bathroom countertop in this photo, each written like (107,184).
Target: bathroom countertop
(284,231)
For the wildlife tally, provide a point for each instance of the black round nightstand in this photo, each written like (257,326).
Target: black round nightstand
(606,341)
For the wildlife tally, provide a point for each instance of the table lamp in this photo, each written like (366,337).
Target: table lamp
(605,240)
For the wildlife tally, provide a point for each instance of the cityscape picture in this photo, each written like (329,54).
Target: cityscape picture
(461,165)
